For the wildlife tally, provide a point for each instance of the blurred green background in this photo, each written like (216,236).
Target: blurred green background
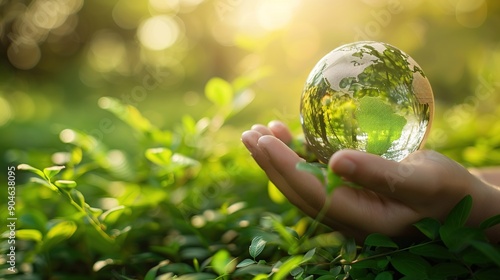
(59,57)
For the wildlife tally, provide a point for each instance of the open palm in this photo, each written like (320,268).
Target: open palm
(394,195)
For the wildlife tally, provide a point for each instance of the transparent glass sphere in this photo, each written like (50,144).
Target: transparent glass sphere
(367,96)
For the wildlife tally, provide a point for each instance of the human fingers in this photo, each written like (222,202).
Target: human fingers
(360,209)
(281,131)
(289,158)
(250,140)
(262,129)
(422,175)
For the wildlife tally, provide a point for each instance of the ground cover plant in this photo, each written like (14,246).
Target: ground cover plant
(191,204)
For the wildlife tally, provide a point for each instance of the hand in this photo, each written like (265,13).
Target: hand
(394,195)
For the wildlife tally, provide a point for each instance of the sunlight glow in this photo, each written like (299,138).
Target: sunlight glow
(158,32)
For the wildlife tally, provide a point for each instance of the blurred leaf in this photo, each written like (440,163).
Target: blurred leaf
(260,277)
(76,155)
(348,251)
(180,160)
(460,213)
(220,262)
(160,156)
(488,250)
(490,222)
(275,194)
(313,169)
(457,239)
(52,171)
(446,270)
(245,262)
(43,182)
(57,234)
(219,91)
(410,265)
(386,275)
(197,276)
(487,274)
(324,240)
(112,215)
(257,246)
(333,181)
(432,251)
(29,234)
(429,227)
(35,219)
(77,197)
(151,275)
(287,267)
(379,240)
(242,100)
(127,113)
(65,184)
(31,169)
(309,255)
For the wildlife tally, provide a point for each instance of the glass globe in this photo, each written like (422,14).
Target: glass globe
(367,96)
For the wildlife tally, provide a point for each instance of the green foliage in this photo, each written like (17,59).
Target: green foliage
(189,205)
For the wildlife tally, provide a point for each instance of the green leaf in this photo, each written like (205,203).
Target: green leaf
(58,233)
(488,250)
(43,182)
(410,265)
(127,113)
(76,155)
(52,171)
(490,222)
(220,262)
(348,250)
(379,240)
(65,184)
(179,160)
(32,169)
(257,246)
(460,213)
(432,251)
(429,227)
(285,268)
(309,255)
(29,234)
(151,275)
(330,239)
(245,262)
(197,276)
(457,239)
(313,169)
(386,275)
(160,156)
(77,197)
(446,270)
(487,274)
(219,91)
(333,181)
(112,215)
(380,123)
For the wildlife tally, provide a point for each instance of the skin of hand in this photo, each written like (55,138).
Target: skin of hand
(394,195)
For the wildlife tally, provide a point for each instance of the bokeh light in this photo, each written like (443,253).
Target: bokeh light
(60,56)
(158,32)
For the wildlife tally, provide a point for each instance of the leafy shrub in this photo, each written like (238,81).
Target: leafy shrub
(192,205)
